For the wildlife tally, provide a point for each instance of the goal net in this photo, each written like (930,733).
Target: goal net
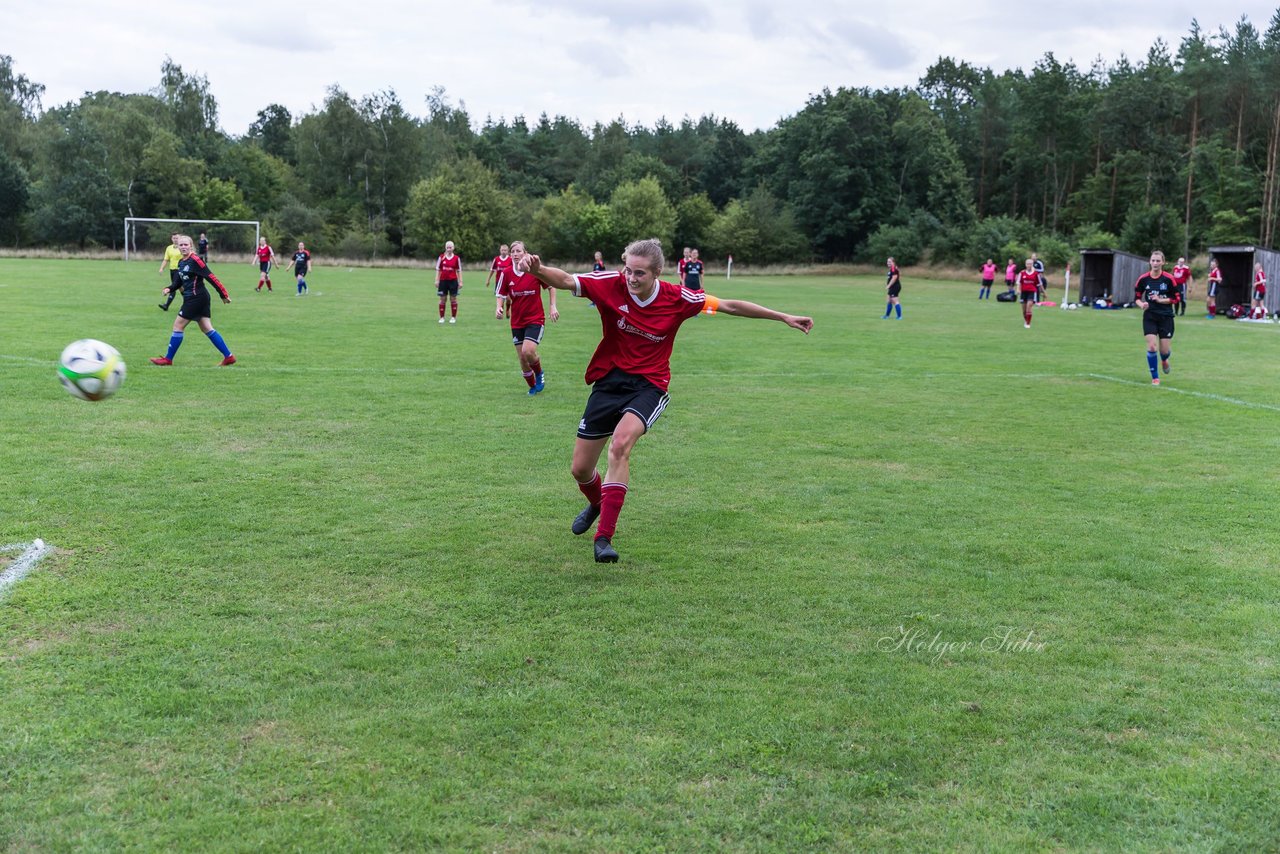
(150,236)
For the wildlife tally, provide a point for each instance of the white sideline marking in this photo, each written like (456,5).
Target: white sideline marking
(31,554)
(1206,395)
(30,361)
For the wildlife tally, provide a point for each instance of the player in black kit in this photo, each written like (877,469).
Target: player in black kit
(192,274)
(301,263)
(1156,294)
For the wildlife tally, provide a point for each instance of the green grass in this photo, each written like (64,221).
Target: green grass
(327,599)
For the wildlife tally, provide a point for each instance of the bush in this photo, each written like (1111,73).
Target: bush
(1092,236)
(900,242)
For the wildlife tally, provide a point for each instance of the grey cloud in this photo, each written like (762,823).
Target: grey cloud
(884,48)
(623,15)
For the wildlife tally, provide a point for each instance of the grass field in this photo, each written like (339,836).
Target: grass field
(942,582)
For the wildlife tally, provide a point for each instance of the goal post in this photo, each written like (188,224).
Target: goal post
(130,223)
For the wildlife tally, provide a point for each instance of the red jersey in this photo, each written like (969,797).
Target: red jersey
(501,265)
(525,291)
(1259,285)
(637,336)
(1028,281)
(264,254)
(449,267)
(1180,275)
(684,262)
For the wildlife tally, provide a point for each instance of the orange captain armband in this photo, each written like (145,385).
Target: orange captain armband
(711,305)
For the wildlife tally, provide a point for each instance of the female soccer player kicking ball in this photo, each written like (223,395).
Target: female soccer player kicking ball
(630,369)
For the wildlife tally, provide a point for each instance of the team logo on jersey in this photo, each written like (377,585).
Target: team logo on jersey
(624,309)
(627,327)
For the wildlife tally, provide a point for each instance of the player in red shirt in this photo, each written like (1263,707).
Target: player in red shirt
(684,263)
(630,369)
(501,264)
(1211,289)
(1182,278)
(449,280)
(265,258)
(1029,289)
(521,294)
(1259,308)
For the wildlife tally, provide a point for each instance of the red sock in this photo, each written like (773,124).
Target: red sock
(530,378)
(455,308)
(611,497)
(537,367)
(1028,318)
(591,489)
(1213,310)
(442,309)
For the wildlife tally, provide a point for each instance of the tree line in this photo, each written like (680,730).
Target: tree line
(1179,150)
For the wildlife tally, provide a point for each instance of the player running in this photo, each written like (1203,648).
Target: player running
(630,370)
(192,274)
(449,280)
(501,264)
(524,291)
(301,264)
(265,258)
(1156,293)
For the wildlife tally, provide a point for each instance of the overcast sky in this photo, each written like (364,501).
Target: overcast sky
(752,61)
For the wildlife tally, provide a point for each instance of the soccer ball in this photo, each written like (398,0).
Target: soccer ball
(91,370)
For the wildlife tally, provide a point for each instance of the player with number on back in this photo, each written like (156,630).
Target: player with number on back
(1156,293)
(630,370)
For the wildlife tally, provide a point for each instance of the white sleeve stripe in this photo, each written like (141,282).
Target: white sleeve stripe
(692,296)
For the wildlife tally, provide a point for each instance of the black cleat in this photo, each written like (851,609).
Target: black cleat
(584,520)
(605,552)
(162,307)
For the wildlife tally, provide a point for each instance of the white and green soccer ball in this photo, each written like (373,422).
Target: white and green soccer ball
(91,370)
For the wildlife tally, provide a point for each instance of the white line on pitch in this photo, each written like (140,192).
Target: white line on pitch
(1204,394)
(31,555)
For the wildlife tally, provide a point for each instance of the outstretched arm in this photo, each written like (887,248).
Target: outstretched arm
(551,276)
(742,308)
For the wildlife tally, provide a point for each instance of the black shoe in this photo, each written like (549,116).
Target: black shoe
(605,552)
(584,520)
(163,307)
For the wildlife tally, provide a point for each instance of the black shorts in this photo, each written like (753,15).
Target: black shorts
(264,266)
(532,332)
(1213,288)
(986,283)
(174,281)
(1030,296)
(1159,325)
(300,270)
(616,394)
(894,290)
(447,286)
(196,306)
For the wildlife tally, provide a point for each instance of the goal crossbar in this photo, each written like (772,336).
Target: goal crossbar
(130,220)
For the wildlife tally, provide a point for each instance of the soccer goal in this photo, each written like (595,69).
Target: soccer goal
(227,235)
